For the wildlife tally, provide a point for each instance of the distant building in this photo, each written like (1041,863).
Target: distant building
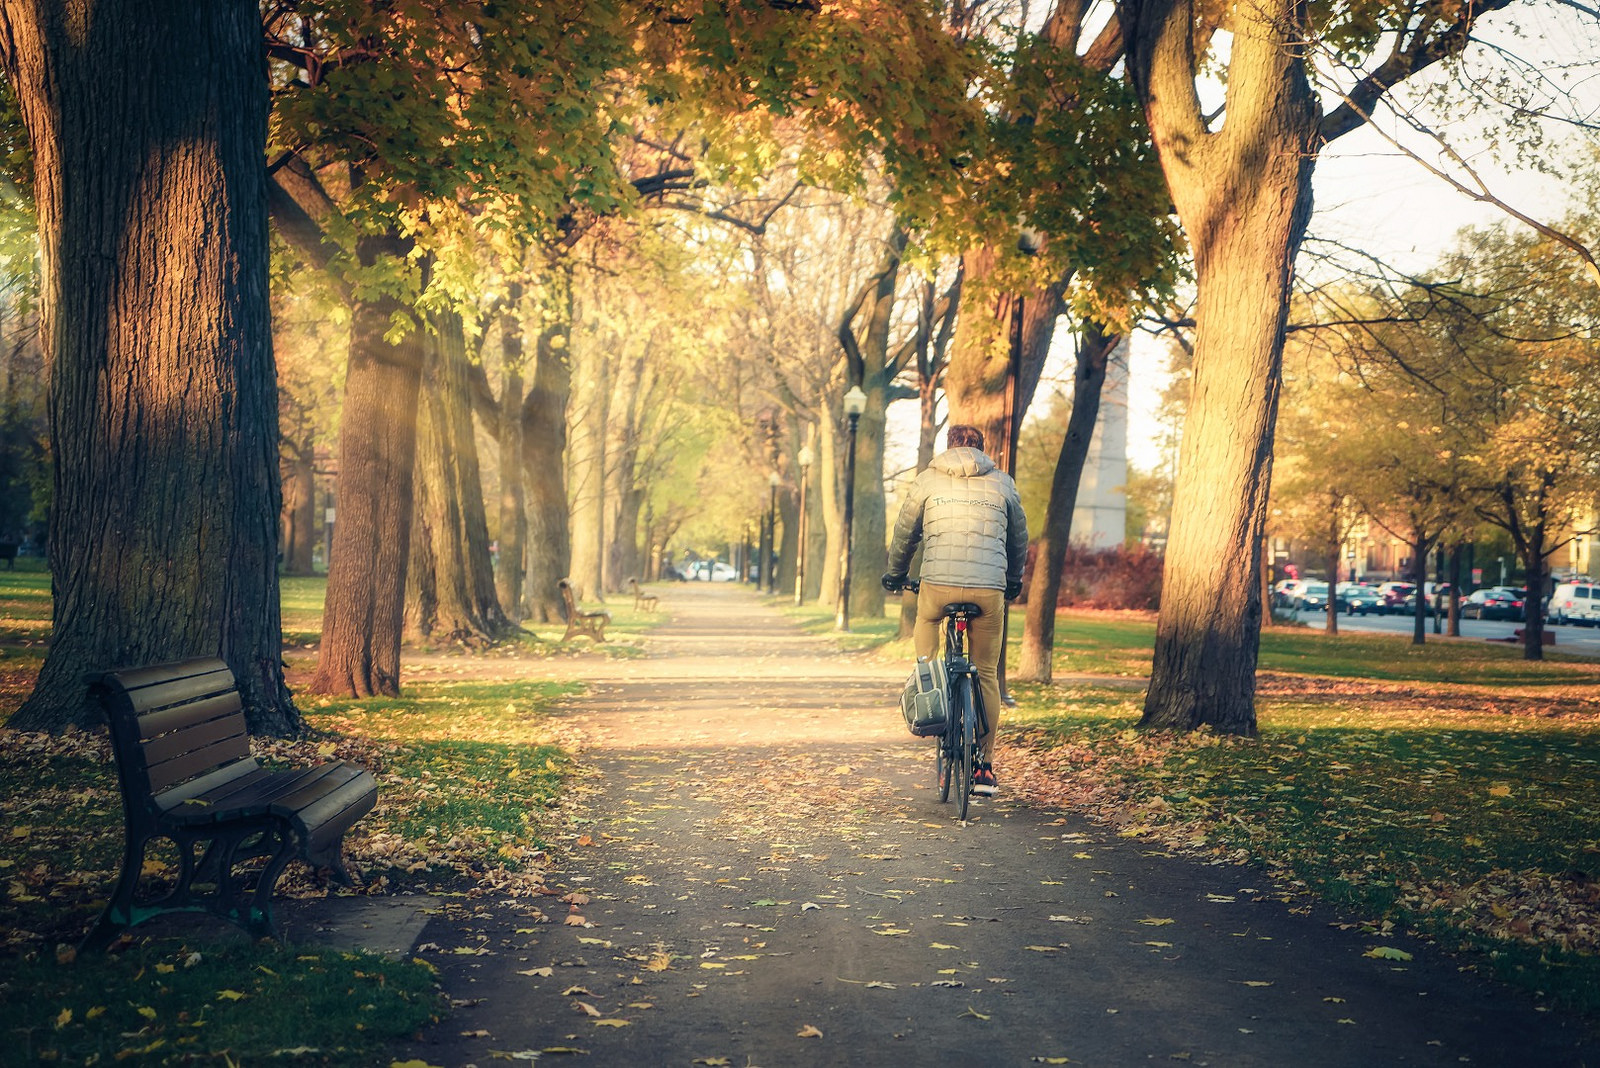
(1100,517)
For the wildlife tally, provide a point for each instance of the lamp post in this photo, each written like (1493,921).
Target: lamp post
(804,459)
(855,402)
(770,563)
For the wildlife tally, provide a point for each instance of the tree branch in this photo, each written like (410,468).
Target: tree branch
(297,227)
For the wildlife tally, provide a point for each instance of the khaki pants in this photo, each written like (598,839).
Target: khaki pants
(983,640)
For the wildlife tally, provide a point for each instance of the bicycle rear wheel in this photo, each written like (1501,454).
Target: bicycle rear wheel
(943,755)
(965,709)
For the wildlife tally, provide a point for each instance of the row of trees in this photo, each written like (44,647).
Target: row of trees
(445,177)
(1462,400)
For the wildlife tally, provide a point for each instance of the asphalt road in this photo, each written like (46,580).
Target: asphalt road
(1583,641)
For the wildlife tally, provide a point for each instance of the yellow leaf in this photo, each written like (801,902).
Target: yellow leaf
(711,964)
(229,995)
(95,1013)
(411,1064)
(1156,921)
(809,1031)
(1386,953)
(147,1012)
(166,969)
(1256,982)
(611,1023)
(1500,789)
(63,1019)
(1042,949)
(545,972)
(587,1009)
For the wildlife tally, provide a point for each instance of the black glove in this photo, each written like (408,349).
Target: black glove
(1013,590)
(893,581)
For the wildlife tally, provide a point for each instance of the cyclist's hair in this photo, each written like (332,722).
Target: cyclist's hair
(963,436)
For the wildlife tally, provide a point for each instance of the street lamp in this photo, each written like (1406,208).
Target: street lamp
(771,561)
(855,402)
(800,556)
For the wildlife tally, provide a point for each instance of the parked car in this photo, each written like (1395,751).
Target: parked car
(1361,600)
(712,571)
(1493,603)
(1398,597)
(1575,602)
(1312,596)
(1284,591)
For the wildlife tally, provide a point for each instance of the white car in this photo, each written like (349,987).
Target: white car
(712,571)
(1286,591)
(1575,602)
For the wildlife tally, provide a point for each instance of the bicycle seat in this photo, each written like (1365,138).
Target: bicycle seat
(963,608)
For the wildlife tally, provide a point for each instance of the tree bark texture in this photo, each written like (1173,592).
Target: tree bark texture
(828,474)
(364,614)
(544,448)
(511,567)
(977,381)
(1243,194)
(152,209)
(1044,587)
(452,595)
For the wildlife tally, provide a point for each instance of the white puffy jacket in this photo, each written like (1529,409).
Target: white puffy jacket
(967,513)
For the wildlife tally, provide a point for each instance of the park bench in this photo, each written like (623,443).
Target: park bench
(646,601)
(592,624)
(183,758)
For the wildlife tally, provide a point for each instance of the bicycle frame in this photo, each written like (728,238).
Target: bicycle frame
(955,745)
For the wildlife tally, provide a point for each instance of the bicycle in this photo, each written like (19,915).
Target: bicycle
(955,748)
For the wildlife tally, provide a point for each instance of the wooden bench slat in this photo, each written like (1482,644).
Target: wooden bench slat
(196,800)
(163,721)
(154,674)
(183,766)
(189,738)
(150,698)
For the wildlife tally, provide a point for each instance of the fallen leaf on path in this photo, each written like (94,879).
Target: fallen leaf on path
(973,1013)
(941,945)
(1156,921)
(546,972)
(713,1062)
(575,921)
(809,1031)
(612,1023)
(571,990)
(1255,982)
(1042,949)
(587,1009)
(1386,953)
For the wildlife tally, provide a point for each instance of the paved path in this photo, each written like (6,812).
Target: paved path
(766,878)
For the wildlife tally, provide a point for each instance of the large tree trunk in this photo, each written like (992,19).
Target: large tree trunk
(152,209)
(1243,195)
(586,467)
(829,476)
(364,613)
(977,382)
(452,582)
(508,433)
(1044,588)
(298,518)
(622,555)
(1533,556)
(544,447)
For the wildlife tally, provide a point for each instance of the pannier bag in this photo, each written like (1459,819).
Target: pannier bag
(923,701)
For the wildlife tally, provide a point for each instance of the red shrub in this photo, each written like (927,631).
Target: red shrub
(1107,578)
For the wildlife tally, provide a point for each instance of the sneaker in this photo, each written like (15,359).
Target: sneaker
(983,781)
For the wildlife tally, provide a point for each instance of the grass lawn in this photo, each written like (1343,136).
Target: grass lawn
(470,777)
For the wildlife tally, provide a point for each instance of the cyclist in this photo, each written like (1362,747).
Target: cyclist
(967,514)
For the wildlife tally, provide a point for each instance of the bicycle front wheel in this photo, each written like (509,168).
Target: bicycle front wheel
(965,709)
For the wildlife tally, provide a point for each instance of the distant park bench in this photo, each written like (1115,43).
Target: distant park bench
(646,601)
(183,759)
(591,624)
